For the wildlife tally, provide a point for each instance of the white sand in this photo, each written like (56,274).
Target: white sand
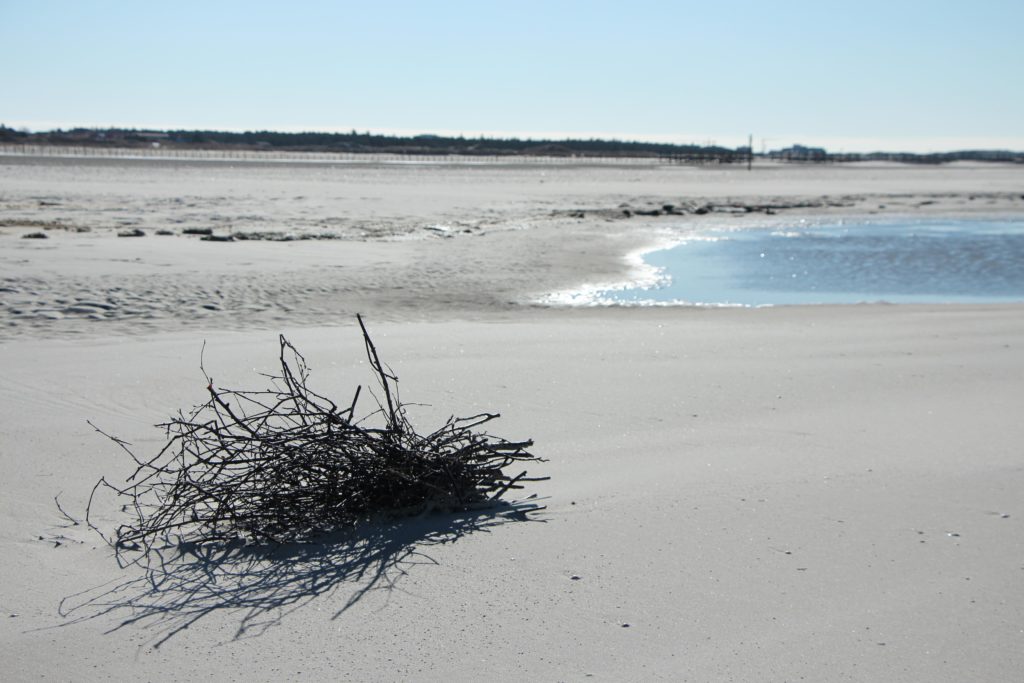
(817,493)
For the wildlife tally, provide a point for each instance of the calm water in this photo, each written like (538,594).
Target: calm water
(955,261)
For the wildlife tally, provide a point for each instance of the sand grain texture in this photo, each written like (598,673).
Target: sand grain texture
(818,493)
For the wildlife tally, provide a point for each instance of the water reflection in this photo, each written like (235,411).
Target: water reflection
(908,262)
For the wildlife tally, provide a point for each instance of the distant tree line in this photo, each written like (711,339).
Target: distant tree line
(356,142)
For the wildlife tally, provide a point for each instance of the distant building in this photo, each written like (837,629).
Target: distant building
(800,153)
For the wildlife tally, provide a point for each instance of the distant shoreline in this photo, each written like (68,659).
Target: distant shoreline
(357,144)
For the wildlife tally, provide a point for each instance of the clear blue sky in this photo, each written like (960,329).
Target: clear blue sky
(854,75)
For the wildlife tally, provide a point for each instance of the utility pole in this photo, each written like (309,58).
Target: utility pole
(750,151)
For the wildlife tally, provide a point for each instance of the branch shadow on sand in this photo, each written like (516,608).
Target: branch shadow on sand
(261,585)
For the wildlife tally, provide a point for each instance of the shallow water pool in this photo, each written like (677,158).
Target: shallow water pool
(934,261)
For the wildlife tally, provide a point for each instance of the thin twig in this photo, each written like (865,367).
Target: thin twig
(285,464)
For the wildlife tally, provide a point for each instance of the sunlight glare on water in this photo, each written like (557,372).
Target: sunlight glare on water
(936,261)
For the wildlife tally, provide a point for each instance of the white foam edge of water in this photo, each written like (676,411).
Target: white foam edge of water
(785,226)
(643,276)
(640,275)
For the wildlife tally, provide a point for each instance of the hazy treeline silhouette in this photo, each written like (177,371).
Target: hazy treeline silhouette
(360,142)
(439,145)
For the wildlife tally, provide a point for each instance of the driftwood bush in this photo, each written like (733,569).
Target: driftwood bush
(286,464)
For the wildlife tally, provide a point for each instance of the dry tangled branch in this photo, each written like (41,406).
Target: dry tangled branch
(287,464)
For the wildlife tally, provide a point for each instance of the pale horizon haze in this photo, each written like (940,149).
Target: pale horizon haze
(894,76)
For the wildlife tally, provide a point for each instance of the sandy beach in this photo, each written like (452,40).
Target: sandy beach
(823,493)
